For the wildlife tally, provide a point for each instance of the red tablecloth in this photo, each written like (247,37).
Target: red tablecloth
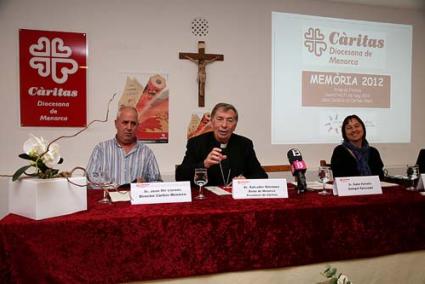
(120,242)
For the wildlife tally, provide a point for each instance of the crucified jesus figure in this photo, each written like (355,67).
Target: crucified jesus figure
(202,74)
(201,59)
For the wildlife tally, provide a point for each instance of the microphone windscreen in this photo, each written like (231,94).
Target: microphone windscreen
(294,155)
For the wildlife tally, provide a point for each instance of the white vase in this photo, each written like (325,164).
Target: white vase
(45,198)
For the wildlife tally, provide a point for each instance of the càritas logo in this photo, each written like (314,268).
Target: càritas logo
(48,55)
(341,42)
(314,40)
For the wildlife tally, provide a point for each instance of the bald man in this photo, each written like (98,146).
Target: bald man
(125,158)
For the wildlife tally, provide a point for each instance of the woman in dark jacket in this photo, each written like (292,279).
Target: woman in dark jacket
(354,157)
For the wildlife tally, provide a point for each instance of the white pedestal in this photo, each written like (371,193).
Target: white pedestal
(4,197)
(44,198)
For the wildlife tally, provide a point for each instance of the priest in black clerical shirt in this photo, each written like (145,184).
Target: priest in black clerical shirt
(226,155)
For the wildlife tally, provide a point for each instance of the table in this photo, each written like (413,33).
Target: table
(121,243)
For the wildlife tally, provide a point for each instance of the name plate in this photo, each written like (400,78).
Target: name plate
(259,188)
(160,192)
(421,182)
(363,185)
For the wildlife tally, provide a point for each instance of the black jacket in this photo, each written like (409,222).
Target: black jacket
(344,164)
(241,159)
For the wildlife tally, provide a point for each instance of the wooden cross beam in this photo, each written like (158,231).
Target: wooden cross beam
(202,59)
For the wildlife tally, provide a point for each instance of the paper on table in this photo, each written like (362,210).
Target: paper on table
(387,184)
(119,196)
(315,185)
(217,190)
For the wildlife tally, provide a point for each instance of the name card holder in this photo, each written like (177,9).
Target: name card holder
(160,192)
(361,185)
(259,188)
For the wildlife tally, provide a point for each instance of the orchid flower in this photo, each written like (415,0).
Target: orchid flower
(35,150)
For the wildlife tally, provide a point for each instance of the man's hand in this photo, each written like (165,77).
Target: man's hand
(214,158)
(140,180)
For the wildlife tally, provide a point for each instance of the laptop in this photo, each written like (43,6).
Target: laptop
(421,161)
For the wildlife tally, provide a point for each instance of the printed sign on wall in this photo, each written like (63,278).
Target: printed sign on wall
(52,78)
(151,102)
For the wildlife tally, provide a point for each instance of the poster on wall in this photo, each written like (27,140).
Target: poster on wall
(200,123)
(52,78)
(148,93)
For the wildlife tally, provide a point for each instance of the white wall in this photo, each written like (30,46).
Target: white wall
(147,35)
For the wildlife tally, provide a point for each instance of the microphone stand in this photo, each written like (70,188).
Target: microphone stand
(301,183)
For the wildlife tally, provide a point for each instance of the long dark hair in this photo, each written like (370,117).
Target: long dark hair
(347,120)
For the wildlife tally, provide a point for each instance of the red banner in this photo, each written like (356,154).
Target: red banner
(53,78)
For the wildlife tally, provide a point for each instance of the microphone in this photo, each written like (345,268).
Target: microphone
(298,169)
(225,162)
(223,147)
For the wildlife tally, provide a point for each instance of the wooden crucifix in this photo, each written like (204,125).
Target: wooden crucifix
(202,59)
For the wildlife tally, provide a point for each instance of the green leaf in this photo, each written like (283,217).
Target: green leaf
(27,157)
(42,166)
(20,171)
(330,272)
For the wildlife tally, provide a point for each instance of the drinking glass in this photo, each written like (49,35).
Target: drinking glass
(102,180)
(325,175)
(200,178)
(412,175)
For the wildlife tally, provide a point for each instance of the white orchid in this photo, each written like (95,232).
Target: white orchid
(333,277)
(36,146)
(35,149)
(342,279)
